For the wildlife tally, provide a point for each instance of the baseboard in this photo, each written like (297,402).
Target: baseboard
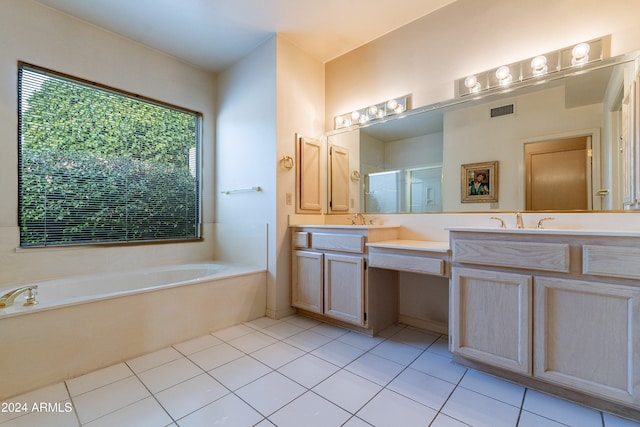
(429,325)
(279,314)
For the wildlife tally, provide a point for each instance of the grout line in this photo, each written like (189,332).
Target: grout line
(73,404)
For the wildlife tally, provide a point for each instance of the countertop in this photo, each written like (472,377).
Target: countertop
(561,231)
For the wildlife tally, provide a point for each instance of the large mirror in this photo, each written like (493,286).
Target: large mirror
(551,144)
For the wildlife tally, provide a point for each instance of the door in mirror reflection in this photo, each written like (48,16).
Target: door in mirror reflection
(339,163)
(557,174)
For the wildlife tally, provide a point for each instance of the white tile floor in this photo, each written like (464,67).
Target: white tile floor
(298,372)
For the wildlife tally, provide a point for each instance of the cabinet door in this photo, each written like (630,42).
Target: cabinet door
(339,179)
(587,337)
(491,317)
(344,288)
(306,281)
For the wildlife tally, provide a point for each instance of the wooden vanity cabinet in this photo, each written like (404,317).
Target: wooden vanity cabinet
(559,314)
(329,275)
(307,276)
(490,318)
(588,337)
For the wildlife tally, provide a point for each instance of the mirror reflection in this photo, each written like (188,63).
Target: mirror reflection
(556,144)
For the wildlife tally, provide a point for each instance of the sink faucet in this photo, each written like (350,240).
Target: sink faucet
(540,226)
(502,224)
(358,219)
(8,299)
(519,223)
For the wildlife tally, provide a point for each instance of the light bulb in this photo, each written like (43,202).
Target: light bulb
(339,121)
(392,104)
(503,74)
(580,54)
(580,51)
(472,83)
(355,116)
(373,110)
(539,65)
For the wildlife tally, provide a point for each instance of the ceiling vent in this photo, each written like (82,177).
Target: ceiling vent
(502,111)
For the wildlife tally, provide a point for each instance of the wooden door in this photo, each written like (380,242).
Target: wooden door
(306,281)
(344,288)
(558,174)
(587,336)
(491,317)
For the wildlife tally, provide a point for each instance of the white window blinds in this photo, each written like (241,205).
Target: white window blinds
(101,166)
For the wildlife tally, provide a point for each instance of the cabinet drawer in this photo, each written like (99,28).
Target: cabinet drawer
(338,242)
(616,261)
(415,264)
(300,239)
(536,256)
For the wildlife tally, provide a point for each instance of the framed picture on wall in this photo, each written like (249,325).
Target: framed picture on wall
(479,182)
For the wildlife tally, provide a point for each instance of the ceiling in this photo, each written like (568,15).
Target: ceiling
(213,34)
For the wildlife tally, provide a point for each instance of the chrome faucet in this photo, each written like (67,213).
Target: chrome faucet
(519,223)
(8,299)
(359,219)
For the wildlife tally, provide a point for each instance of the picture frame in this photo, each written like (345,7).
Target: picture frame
(479,182)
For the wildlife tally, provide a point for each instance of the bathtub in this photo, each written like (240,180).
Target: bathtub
(83,323)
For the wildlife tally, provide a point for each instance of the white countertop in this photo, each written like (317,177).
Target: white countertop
(413,245)
(571,232)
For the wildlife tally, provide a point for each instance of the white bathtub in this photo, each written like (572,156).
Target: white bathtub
(87,322)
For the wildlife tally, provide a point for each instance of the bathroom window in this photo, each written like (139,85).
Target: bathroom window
(97,165)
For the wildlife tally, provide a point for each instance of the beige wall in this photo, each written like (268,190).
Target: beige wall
(264,100)
(300,109)
(424,57)
(39,35)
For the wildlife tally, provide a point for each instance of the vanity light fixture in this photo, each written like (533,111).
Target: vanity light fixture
(378,111)
(534,68)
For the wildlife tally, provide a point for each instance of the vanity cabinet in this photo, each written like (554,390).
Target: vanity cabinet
(306,289)
(562,311)
(330,277)
(491,317)
(344,287)
(587,336)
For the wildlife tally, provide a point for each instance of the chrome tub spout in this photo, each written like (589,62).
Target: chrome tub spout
(8,299)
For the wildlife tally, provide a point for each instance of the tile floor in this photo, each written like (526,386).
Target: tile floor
(297,372)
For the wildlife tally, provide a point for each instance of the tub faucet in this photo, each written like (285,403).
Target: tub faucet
(8,299)
(519,223)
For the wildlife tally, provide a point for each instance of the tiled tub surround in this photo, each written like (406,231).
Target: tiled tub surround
(82,325)
(298,372)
